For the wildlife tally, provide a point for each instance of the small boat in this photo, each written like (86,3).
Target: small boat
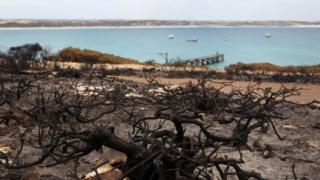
(268,35)
(193,39)
(171,36)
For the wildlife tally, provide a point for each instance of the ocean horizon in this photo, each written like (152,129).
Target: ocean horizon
(286,46)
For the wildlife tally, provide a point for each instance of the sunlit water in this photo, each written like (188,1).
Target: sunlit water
(288,46)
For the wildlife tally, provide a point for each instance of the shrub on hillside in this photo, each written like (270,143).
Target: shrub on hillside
(150,62)
(89,56)
(268,67)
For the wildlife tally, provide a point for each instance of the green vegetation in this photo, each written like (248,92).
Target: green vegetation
(89,56)
(268,67)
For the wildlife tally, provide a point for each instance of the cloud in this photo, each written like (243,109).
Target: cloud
(162,9)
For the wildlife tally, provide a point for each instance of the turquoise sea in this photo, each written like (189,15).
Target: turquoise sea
(288,46)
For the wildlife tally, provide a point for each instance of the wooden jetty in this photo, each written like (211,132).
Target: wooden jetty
(205,60)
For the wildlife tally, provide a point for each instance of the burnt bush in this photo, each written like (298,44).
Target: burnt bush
(20,58)
(270,72)
(69,72)
(171,132)
(25,52)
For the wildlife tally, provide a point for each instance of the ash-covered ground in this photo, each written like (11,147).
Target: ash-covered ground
(297,156)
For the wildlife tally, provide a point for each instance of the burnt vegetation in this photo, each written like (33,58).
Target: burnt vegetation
(171,131)
(270,72)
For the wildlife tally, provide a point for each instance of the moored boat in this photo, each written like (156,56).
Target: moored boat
(193,39)
(268,35)
(171,36)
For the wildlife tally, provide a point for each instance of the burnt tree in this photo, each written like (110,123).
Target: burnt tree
(172,134)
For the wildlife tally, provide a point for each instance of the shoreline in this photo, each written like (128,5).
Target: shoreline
(145,27)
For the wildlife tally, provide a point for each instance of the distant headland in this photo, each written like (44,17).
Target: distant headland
(35,23)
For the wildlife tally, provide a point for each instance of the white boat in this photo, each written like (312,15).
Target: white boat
(268,35)
(171,36)
(193,39)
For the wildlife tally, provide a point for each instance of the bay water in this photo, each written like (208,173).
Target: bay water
(287,46)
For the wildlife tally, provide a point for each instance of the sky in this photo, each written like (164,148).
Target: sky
(305,10)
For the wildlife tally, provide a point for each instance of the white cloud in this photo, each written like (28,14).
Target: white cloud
(162,9)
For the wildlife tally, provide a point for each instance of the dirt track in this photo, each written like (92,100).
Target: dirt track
(308,92)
